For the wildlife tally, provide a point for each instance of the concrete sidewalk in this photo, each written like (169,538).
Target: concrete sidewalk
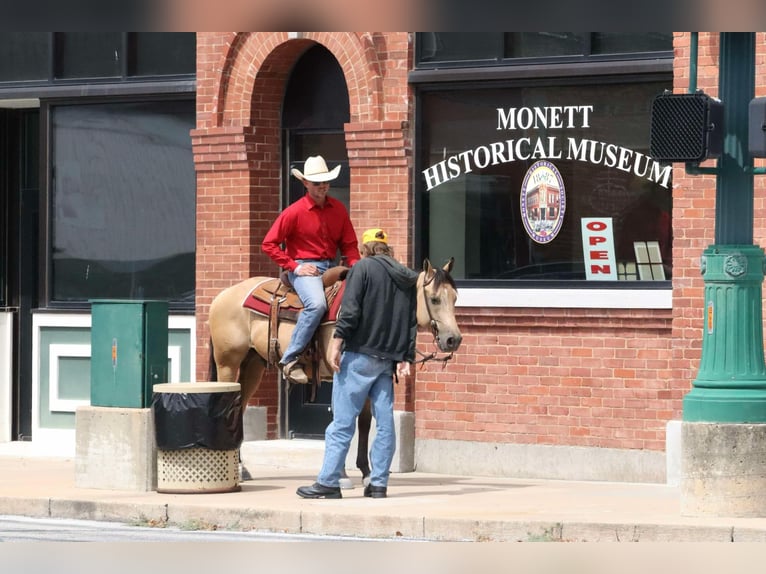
(41,483)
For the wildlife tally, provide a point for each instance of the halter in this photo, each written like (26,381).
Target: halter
(433,323)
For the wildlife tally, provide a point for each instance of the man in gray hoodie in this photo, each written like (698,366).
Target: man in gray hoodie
(374,334)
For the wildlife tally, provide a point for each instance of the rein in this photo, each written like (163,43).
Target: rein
(432,357)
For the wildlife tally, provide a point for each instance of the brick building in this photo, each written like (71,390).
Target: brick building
(556,376)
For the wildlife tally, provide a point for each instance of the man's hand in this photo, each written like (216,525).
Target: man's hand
(306,269)
(335,346)
(403,369)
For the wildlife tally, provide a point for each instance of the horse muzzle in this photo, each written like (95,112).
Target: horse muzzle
(448,342)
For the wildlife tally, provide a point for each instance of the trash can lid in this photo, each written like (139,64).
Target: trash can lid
(207,387)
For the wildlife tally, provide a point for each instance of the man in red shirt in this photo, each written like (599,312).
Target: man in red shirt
(312,230)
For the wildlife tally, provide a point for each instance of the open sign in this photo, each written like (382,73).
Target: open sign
(598,249)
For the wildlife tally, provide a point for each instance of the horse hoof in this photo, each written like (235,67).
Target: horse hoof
(346,483)
(244,474)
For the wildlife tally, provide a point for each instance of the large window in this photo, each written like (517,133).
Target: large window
(66,57)
(533,159)
(461,49)
(122,206)
(544,181)
(24,56)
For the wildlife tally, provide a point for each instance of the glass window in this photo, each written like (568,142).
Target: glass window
(454,46)
(161,53)
(88,54)
(511,178)
(623,43)
(542,44)
(123,201)
(456,49)
(24,56)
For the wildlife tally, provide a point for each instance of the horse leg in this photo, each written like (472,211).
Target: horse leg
(363,423)
(250,373)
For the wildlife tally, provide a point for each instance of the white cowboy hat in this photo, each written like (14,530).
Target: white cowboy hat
(316,170)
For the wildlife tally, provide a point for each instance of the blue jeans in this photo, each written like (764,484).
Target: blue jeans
(311,292)
(360,376)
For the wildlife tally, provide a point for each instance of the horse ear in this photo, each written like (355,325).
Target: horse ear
(427,266)
(448,265)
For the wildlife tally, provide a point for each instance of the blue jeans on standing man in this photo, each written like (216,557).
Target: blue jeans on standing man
(360,376)
(311,292)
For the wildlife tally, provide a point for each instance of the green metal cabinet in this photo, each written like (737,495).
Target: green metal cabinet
(129,351)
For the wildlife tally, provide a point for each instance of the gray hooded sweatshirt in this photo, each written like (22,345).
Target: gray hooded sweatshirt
(378,313)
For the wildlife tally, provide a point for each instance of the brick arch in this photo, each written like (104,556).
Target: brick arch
(256,65)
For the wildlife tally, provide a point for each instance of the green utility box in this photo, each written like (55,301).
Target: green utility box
(129,352)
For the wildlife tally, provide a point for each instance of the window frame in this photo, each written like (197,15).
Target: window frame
(45,273)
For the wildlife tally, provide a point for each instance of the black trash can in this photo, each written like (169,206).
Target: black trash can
(198,428)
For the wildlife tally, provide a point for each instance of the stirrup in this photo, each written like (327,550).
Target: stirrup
(293,368)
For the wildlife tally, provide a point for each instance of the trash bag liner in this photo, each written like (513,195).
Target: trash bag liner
(198,420)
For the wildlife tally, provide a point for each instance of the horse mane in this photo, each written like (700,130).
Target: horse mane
(442,276)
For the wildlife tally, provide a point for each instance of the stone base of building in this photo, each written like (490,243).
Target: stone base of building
(539,461)
(723,469)
(115,448)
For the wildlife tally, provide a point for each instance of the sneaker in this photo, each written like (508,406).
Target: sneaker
(372,491)
(294,372)
(317,490)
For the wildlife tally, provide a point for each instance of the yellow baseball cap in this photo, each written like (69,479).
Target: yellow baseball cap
(375,235)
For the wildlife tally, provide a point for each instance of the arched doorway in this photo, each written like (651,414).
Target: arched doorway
(316,107)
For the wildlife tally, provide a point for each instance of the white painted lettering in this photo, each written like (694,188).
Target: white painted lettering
(432,175)
(505,121)
(625,157)
(497,152)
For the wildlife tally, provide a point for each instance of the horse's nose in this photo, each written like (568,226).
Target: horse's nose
(450,343)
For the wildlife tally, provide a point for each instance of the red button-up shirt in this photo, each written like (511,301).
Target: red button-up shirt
(311,232)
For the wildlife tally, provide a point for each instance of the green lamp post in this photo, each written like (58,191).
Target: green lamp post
(731,383)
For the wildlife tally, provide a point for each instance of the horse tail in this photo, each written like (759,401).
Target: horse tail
(212,370)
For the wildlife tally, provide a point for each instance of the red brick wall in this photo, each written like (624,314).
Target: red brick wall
(578,377)
(574,377)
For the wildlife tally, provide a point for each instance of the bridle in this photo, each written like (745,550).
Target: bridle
(433,323)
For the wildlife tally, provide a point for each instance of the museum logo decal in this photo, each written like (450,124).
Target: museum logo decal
(543,201)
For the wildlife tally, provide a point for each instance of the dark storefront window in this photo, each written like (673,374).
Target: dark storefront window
(24,56)
(161,54)
(461,49)
(543,176)
(515,172)
(96,57)
(542,44)
(122,206)
(626,43)
(87,55)
(457,46)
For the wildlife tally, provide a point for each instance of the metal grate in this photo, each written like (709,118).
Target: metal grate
(685,127)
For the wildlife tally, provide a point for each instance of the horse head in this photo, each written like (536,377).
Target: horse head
(437,294)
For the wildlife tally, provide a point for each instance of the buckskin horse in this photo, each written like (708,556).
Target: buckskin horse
(242,341)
